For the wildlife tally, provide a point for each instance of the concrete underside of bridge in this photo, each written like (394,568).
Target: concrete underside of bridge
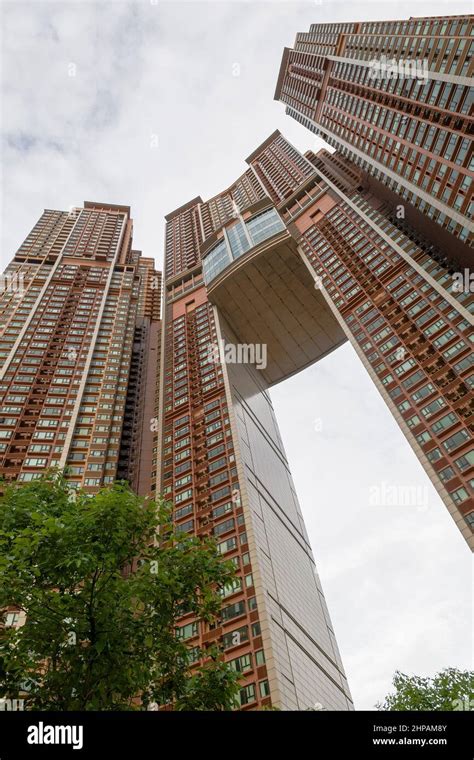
(268,297)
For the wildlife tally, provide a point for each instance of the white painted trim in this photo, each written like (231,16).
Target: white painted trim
(431,74)
(161,390)
(32,313)
(85,372)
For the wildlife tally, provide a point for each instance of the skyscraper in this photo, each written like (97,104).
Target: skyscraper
(300,254)
(233,280)
(79,321)
(396,98)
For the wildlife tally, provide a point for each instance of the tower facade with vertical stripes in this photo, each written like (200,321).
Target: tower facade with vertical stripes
(79,341)
(314,255)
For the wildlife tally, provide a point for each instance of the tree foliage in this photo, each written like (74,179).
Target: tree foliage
(450,689)
(97,635)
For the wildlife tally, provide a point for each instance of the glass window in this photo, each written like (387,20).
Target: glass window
(247,694)
(264,225)
(233,610)
(456,440)
(466,461)
(242,664)
(238,241)
(234,638)
(185,527)
(187,631)
(215,261)
(444,422)
(223,527)
(446,474)
(459,495)
(11,618)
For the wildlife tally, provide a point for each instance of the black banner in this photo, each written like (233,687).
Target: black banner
(127,735)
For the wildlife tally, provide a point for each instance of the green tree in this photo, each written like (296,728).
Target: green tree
(100,626)
(450,689)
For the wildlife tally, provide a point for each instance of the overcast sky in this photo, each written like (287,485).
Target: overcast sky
(152,103)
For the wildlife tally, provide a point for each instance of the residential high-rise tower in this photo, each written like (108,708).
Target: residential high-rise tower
(396,98)
(220,455)
(79,342)
(300,254)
